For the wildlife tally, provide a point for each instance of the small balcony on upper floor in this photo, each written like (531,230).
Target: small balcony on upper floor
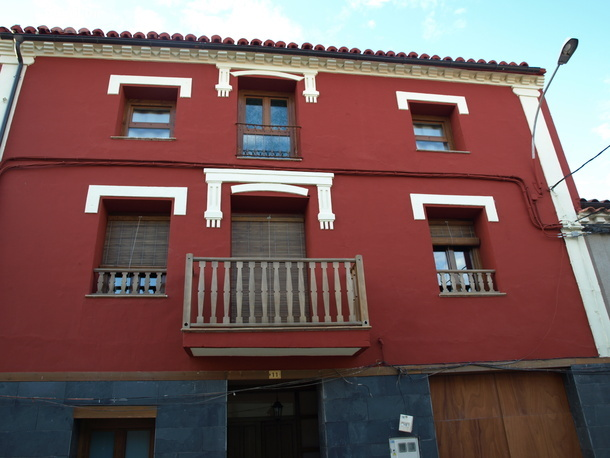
(275,307)
(264,141)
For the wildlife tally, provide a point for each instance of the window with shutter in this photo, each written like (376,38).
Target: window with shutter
(134,259)
(278,236)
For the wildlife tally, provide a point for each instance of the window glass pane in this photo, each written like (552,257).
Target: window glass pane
(101,444)
(150,115)
(432,146)
(266,145)
(462,259)
(440,259)
(429,130)
(254,111)
(137,444)
(138,132)
(279,112)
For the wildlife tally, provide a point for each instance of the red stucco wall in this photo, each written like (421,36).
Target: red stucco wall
(60,144)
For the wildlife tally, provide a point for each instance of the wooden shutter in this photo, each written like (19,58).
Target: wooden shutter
(136,241)
(453,232)
(268,236)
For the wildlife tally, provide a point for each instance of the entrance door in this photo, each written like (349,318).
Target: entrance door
(258,430)
(267,236)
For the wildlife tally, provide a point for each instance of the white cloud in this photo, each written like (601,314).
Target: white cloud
(147,20)
(371,24)
(237,18)
(367,3)
(431,31)
(603,130)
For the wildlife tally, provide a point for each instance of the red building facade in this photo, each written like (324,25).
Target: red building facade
(259,219)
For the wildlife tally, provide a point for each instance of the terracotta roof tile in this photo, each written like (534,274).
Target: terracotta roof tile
(152,35)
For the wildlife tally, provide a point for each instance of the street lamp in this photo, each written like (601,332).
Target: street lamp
(564,56)
(277,409)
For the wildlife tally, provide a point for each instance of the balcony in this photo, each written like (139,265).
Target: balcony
(267,141)
(275,307)
(123,281)
(471,282)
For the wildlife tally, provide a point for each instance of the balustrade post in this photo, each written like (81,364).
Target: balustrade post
(201,295)
(188,291)
(362,298)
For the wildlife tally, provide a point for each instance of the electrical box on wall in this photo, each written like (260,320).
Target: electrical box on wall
(404,447)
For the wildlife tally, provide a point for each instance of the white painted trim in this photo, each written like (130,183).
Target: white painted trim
(275,74)
(418,202)
(403,99)
(224,72)
(254,187)
(185,84)
(266,351)
(96,192)
(267,180)
(268,176)
(580,257)
(8,73)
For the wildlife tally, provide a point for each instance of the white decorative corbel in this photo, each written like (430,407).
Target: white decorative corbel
(310,93)
(223,87)
(326,215)
(213,214)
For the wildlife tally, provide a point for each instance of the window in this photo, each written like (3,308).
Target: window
(276,236)
(149,119)
(266,128)
(455,244)
(432,133)
(135,255)
(148,112)
(116,438)
(456,256)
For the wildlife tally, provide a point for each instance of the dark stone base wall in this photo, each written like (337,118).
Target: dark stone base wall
(37,420)
(588,388)
(358,415)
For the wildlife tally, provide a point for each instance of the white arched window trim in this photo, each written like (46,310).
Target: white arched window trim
(271,181)
(224,86)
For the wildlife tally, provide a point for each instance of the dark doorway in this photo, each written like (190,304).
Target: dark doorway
(273,423)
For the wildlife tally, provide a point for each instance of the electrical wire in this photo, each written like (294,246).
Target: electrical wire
(573,172)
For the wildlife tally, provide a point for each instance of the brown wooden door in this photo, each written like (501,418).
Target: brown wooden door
(503,415)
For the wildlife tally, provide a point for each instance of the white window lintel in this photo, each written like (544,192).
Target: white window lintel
(96,192)
(184,84)
(403,99)
(419,201)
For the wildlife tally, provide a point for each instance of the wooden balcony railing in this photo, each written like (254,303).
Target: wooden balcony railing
(467,282)
(257,292)
(130,282)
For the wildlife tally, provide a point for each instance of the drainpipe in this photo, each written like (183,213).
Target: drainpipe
(11,98)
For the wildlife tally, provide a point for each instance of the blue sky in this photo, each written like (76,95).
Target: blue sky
(531,31)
